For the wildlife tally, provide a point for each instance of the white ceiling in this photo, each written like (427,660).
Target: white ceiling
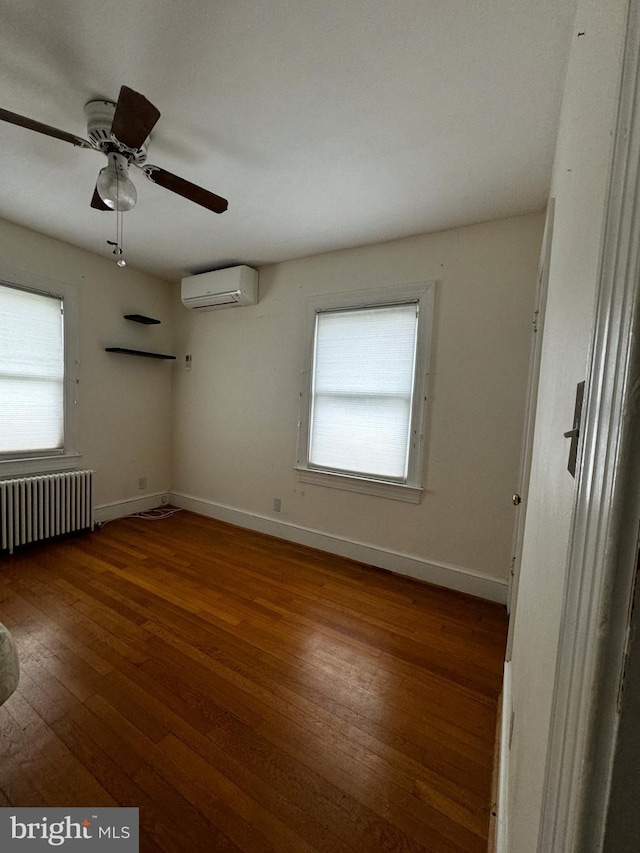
(326,124)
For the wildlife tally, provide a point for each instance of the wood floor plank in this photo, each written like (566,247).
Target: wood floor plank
(260,803)
(227,820)
(57,774)
(157,830)
(278,702)
(249,694)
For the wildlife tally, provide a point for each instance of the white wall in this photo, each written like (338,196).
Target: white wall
(581,172)
(235,412)
(123,402)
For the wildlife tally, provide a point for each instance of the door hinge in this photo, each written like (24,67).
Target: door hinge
(536,314)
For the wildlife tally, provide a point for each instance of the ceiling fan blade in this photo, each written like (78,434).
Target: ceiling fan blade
(134,118)
(47,130)
(97,203)
(186,189)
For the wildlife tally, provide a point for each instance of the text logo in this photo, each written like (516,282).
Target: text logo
(107,830)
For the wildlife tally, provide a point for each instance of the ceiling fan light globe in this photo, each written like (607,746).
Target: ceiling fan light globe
(115,187)
(104,191)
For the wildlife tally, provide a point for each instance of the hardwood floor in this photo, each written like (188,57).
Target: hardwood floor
(247,693)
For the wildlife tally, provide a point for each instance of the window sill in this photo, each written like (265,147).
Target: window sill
(34,465)
(378,488)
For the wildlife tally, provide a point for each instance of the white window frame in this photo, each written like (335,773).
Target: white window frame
(421,293)
(24,463)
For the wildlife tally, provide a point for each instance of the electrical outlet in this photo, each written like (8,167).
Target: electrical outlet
(187,362)
(142,483)
(165,500)
(277,504)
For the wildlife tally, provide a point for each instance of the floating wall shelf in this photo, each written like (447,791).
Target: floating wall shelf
(138,352)
(147,321)
(140,318)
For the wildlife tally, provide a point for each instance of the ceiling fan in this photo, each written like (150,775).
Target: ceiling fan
(121,131)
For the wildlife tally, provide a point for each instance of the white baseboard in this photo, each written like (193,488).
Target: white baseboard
(441,574)
(119,509)
(503,770)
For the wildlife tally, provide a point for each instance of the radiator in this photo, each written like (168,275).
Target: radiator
(35,508)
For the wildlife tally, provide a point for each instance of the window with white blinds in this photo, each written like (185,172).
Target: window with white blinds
(364,395)
(32,367)
(363,378)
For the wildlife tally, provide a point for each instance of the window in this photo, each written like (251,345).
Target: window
(34,422)
(361,427)
(31,372)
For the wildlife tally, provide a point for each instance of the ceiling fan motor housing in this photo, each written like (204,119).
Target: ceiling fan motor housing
(99,115)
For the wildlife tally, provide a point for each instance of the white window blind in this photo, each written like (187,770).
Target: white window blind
(31,372)
(362,390)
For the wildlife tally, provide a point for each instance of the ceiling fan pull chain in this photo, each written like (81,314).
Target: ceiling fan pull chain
(119,231)
(121,261)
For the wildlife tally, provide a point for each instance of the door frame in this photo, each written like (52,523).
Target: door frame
(604,536)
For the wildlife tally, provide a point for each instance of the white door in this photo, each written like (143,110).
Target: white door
(520,495)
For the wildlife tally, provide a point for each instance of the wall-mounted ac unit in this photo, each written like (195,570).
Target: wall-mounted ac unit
(221,289)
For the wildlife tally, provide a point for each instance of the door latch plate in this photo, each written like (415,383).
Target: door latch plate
(574,432)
